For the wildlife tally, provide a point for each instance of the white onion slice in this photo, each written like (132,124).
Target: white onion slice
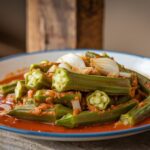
(125,74)
(76,105)
(73,60)
(106,66)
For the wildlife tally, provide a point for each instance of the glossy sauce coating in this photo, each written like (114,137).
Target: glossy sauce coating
(37,126)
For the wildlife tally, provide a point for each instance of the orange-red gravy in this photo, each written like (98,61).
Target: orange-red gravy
(37,126)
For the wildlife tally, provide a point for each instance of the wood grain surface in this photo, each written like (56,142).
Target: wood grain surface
(11,141)
(51,24)
(58,24)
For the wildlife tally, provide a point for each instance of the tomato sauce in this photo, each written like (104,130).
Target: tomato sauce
(37,126)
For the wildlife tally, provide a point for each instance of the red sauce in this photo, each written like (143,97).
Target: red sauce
(37,126)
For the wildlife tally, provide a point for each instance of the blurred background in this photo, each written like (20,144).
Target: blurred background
(32,25)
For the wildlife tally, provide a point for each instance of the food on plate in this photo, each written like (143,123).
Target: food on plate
(78,90)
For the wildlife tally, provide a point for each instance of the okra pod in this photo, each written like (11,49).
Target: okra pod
(36,79)
(98,99)
(88,117)
(43,66)
(144,82)
(92,54)
(122,99)
(8,88)
(25,112)
(137,114)
(64,80)
(20,90)
(61,110)
(49,115)
(64,98)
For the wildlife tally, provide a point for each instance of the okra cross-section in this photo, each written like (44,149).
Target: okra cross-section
(64,80)
(99,100)
(137,114)
(88,117)
(36,79)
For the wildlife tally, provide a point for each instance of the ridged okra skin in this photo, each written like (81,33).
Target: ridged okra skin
(89,117)
(25,112)
(64,98)
(43,66)
(8,88)
(64,80)
(144,82)
(122,99)
(98,99)
(60,110)
(20,90)
(36,79)
(137,114)
(92,54)
(49,115)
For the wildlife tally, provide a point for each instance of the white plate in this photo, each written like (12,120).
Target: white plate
(12,63)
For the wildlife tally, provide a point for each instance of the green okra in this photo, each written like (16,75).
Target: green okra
(88,117)
(36,79)
(8,88)
(64,80)
(50,115)
(20,90)
(60,110)
(67,98)
(137,114)
(43,66)
(122,99)
(144,82)
(92,54)
(64,98)
(98,99)
(25,112)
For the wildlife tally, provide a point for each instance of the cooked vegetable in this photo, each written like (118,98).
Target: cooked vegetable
(137,114)
(122,99)
(64,80)
(8,88)
(144,82)
(20,90)
(72,60)
(92,54)
(106,66)
(35,79)
(48,115)
(78,90)
(99,100)
(43,66)
(64,98)
(87,117)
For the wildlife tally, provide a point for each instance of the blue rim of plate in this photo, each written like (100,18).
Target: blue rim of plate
(133,130)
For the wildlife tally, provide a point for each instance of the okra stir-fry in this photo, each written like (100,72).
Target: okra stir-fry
(78,90)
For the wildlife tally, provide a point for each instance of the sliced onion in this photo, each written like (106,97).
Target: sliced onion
(76,105)
(106,66)
(65,66)
(73,60)
(125,74)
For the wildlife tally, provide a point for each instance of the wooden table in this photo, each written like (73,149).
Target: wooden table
(11,141)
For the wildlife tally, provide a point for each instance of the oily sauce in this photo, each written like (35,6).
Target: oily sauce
(37,126)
